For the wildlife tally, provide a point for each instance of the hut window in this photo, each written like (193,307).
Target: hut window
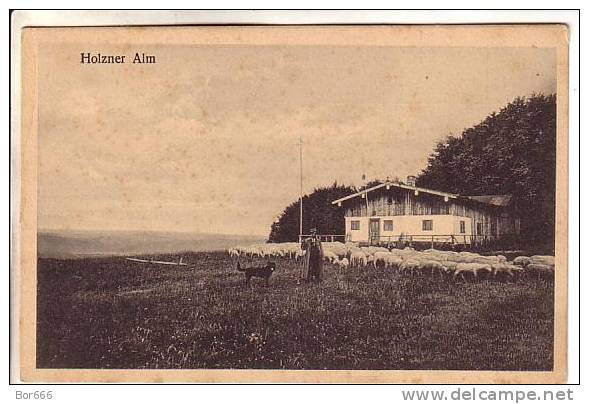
(427,225)
(479,228)
(462,226)
(390,200)
(355,225)
(388,225)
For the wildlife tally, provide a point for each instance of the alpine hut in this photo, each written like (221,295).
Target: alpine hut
(393,212)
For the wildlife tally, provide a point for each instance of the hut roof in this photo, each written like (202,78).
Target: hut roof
(389,184)
(493,200)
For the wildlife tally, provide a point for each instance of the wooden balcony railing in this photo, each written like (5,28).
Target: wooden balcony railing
(326,237)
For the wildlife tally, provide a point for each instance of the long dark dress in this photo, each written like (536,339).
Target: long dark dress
(313,262)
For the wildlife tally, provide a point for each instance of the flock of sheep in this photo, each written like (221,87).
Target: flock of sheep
(458,265)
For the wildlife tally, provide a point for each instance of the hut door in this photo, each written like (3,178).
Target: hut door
(374,231)
(494,232)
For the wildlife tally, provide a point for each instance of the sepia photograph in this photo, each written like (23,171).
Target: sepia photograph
(283,203)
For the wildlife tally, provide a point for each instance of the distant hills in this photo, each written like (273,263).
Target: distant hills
(77,244)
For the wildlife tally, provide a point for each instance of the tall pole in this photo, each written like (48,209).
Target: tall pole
(301,193)
(366,193)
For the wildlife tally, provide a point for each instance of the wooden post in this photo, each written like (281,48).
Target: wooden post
(367,207)
(301,179)
(432,242)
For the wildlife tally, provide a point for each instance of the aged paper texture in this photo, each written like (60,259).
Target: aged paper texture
(312,204)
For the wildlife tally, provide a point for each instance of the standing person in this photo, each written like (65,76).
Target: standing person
(313,260)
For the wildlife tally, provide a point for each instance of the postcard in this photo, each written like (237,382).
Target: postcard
(293,204)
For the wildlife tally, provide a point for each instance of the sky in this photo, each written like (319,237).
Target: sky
(206,139)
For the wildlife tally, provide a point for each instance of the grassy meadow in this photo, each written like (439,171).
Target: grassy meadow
(114,313)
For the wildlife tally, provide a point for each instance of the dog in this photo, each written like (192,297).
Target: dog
(260,272)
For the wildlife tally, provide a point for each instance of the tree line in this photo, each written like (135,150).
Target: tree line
(511,152)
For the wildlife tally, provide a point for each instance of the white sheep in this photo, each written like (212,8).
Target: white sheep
(522,261)
(336,247)
(374,249)
(432,267)
(473,268)
(451,256)
(358,259)
(409,265)
(392,261)
(342,263)
(449,265)
(267,250)
(300,254)
(483,259)
(291,249)
(503,268)
(366,250)
(329,256)
(252,251)
(380,256)
(408,253)
(540,269)
(466,257)
(542,259)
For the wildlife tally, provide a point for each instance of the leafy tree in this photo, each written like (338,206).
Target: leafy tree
(510,152)
(318,212)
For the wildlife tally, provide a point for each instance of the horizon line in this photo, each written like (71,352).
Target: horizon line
(49,230)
